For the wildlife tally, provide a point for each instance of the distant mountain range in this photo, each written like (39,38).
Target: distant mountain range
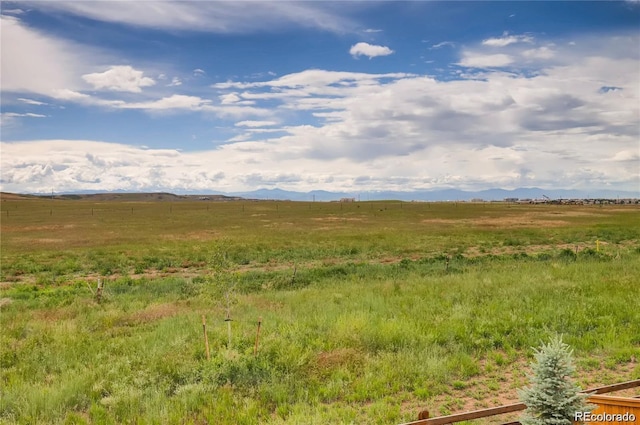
(435,195)
(423,195)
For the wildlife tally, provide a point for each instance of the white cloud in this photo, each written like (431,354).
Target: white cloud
(255,123)
(66,94)
(370,50)
(176,101)
(508,129)
(551,122)
(507,39)
(28,114)
(310,80)
(479,60)
(32,102)
(119,78)
(33,62)
(198,72)
(627,155)
(443,44)
(10,118)
(543,53)
(175,81)
(83,98)
(371,30)
(234,99)
(13,11)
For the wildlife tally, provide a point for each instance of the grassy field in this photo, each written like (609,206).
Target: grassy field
(370,311)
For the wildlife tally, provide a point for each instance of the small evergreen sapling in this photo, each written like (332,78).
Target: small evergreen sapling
(553,398)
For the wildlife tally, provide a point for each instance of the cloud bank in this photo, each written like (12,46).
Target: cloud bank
(514,111)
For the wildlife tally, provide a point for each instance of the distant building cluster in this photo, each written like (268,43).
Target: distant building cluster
(588,201)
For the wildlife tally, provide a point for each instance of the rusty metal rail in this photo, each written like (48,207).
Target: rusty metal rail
(423,417)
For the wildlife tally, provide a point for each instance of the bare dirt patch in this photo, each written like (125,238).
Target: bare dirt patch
(323,219)
(528,219)
(509,222)
(203,235)
(46,227)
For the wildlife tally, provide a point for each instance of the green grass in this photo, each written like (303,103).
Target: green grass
(384,315)
(158,236)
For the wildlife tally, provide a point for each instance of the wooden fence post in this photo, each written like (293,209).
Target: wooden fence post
(228,320)
(206,338)
(99,290)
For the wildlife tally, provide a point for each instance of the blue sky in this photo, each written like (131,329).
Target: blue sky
(343,96)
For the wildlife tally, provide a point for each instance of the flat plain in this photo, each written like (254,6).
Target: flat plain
(369,311)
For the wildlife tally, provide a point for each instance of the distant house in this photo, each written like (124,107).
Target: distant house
(347,199)
(511,199)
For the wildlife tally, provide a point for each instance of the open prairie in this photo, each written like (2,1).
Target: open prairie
(369,311)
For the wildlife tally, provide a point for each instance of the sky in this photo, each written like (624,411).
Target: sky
(205,97)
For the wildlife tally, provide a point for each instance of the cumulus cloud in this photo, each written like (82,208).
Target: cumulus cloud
(506,126)
(523,119)
(119,78)
(370,50)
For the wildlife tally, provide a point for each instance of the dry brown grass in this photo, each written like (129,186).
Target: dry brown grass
(152,313)
(328,361)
